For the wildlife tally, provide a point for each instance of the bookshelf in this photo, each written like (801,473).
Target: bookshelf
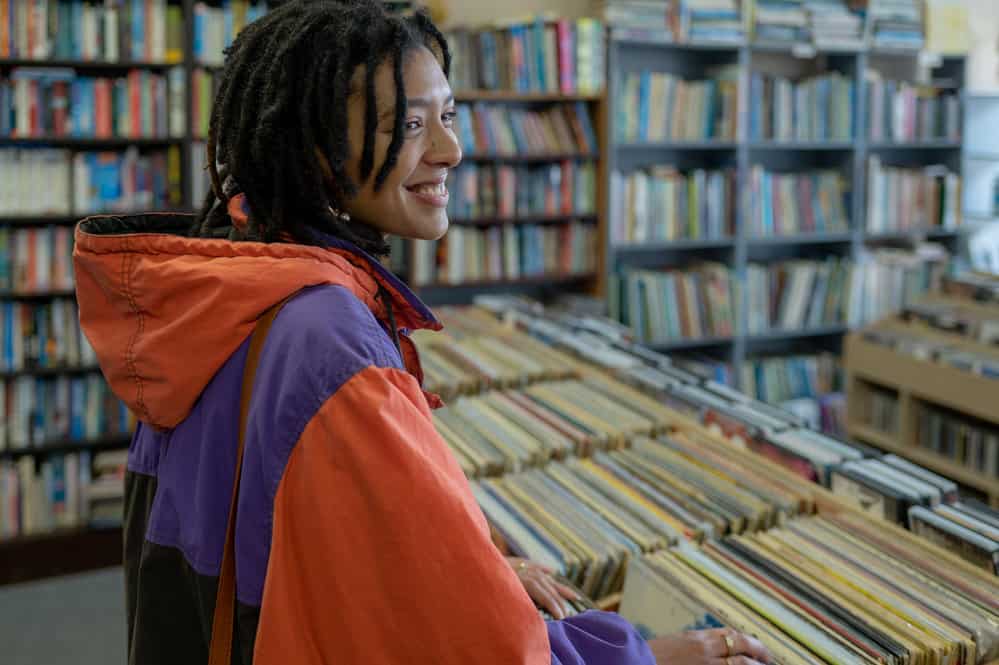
(914,385)
(848,157)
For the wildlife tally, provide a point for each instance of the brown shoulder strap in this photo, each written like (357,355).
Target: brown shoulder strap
(220,651)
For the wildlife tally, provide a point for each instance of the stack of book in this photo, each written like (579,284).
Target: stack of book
(656,106)
(126,181)
(711,21)
(830,589)
(888,487)
(20,172)
(104,495)
(706,367)
(904,199)
(777,379)
(50,411)
(913,342)
(141,31)
(663,204)
(956,317)
(818,108)
(640,19)
(834,25)
(777,21)
(38,500)
(795,295)
(972,443)
(44,335)
(887,280)
(52,102)
(969,528)
(36,259)
(506,252)
(677,304)
(790,203)
(901,111)
(879,409)
(542,55)
(564,129)
(215,27)
(977,286)
(896,24)
(490,191)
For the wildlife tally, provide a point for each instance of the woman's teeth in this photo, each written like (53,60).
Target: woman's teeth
(430,190)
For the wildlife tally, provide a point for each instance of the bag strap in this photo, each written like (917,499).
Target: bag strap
(220,650)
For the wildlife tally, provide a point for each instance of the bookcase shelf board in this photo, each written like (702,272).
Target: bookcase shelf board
(802,333)
(522,97)
(87,65)
(667,43)
(882,146)
(689,344)
(530,158)
(39,296)
(911,234)
(50,371)
(32,557)
(657,146)
(63,447)
(804,51)
(672,245)
(526,219)
(801,239)
(801,146)
(554,280)
(90,143)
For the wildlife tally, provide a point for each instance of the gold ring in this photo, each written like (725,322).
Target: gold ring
(522,565)
(729,647)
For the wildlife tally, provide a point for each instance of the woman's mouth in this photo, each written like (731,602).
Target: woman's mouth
(433,194)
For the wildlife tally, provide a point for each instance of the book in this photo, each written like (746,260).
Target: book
(896,24)
(718,21)
(482,191)
(120,31)
(127,181)
(972,443)
(37,336)
(674,304)
(540,54)
(792,203)
(900,111)
(215,28)
(21,169)
(657,106)
(813,108)
(777,21)
(36,259)
(663,204)
(492,130)
(55,102)
(506,252)
(797,294)
(834,24)
(885,281)
(778,379)
(901,198)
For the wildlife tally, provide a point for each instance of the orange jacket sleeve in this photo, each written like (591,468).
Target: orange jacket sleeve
(379,553)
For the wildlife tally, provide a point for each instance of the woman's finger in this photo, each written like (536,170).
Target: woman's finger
(751,647)
(566,591)
(545,598)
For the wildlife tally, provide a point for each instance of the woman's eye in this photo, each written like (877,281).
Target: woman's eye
(449,117)
(412,125)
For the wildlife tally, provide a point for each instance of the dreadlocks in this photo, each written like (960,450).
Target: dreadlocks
(279,121)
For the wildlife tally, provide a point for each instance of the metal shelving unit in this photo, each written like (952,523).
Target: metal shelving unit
(851,157)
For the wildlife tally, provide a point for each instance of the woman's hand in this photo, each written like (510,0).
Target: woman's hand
(541,586)
(721,646)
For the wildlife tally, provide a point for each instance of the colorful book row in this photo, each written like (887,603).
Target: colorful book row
(488,191)
(45,335)
(498,130)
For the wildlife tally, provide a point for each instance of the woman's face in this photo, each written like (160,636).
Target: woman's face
(412,202)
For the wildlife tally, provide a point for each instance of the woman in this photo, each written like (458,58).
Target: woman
(356,538)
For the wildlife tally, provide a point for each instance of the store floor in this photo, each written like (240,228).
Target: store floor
(72,620)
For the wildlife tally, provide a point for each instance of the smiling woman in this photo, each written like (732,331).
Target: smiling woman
(288,499)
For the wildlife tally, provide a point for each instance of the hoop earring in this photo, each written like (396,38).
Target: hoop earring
(339,214)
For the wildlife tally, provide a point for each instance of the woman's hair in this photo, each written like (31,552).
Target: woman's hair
(278,129)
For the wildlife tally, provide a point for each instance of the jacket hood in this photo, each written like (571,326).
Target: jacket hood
(164,311)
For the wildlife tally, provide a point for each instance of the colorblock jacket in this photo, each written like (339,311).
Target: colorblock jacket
(357,537)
